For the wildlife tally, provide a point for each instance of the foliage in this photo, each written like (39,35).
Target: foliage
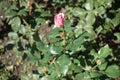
(85,48)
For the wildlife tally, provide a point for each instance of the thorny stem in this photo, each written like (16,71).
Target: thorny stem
(24,21)
(56,69)
(55,65)
(64,39)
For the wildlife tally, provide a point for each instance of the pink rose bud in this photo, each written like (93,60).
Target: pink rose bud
(59,20)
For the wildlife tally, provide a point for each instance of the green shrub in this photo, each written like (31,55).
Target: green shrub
(86,48)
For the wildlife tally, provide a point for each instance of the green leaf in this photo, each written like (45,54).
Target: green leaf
(102,66)
(86,75)
(90,18)
(45,14)
(10,13)
(74,67)
(78,30)
(90,30)
(118,37)
(22,29)
(113,71)
(35,76)
(39,21)
(99,29)
(54,36)
(15,23)
(64,62)
(22,3)
(13,35)
(89,6)
(41,46)
(108,27)
(1,48)
(79,76)
(67,26)
(79,12)
(32,58)
(13,6)
(56,49)
(54,76)
(95,74)
(22,12)
(72,47)
(116,19)
(54,33)
(4,4)
(25,77)
(47,57)
(75,46)
(100,10)
(77,43)
(104,51)
(94,53)
(67,23)
(45,78)
(81,39)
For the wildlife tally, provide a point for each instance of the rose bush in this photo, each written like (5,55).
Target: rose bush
(85,46)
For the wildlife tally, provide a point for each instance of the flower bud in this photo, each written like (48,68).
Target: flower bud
(59,20)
